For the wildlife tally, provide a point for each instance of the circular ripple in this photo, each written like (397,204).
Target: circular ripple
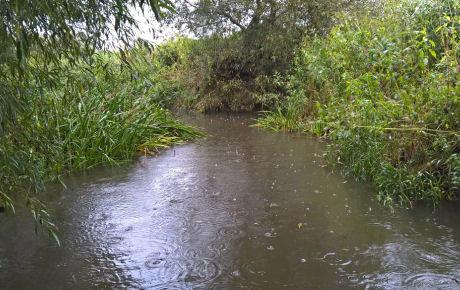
(201,273)
(232,232)
(165,273)
(198,268)
(160,264)
(155,261)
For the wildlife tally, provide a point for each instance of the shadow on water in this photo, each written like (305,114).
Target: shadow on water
(241,208)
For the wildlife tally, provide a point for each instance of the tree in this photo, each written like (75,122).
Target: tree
(250,40)
(40,40)
(269,28)
(207,17)
(56,30)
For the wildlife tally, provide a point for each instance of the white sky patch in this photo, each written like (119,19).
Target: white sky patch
(150,29)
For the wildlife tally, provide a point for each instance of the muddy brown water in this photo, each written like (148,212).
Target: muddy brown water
(241,208)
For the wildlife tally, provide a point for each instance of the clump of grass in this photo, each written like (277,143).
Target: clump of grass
(287,112)
(385,94)
(95,114)
(277,121)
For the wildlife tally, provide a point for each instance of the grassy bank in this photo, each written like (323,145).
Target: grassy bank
(383,90)
(99,112)
(381,87)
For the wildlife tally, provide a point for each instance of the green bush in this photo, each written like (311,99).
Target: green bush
(384,91)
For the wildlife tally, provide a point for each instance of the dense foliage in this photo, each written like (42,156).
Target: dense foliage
(380,81)
(226,17)
(242,44)
(65,104)
(384,91)
(381,85)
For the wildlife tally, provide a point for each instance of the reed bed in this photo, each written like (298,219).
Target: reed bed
(95,114)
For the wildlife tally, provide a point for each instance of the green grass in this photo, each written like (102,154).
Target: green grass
(94,115)
(385,92)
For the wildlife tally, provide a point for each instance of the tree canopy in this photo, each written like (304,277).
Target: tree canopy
(205,17)
(246,41)
(49,31)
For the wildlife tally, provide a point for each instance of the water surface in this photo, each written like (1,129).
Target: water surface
(241,208)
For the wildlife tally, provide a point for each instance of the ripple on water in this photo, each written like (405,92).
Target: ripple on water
(161,266)
(201,272)
(432,281)
(155,260)
(165,274)
(271,234)
(252,272)
(186,267)
(229,232)
(225,237)
(238,213)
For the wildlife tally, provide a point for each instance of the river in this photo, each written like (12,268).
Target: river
(241,208)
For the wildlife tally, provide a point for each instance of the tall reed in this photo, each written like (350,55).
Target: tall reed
(97,113)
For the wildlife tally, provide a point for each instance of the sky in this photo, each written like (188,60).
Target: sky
(147,22)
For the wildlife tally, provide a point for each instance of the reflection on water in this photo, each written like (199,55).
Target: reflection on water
(241,208)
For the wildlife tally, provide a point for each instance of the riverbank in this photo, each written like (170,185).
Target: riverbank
(223,213)
(381,87)
(97,113)
(385,95)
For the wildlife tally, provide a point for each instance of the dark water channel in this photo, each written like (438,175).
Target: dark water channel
(242,208)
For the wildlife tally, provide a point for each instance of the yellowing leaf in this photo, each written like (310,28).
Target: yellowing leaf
(299,225)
